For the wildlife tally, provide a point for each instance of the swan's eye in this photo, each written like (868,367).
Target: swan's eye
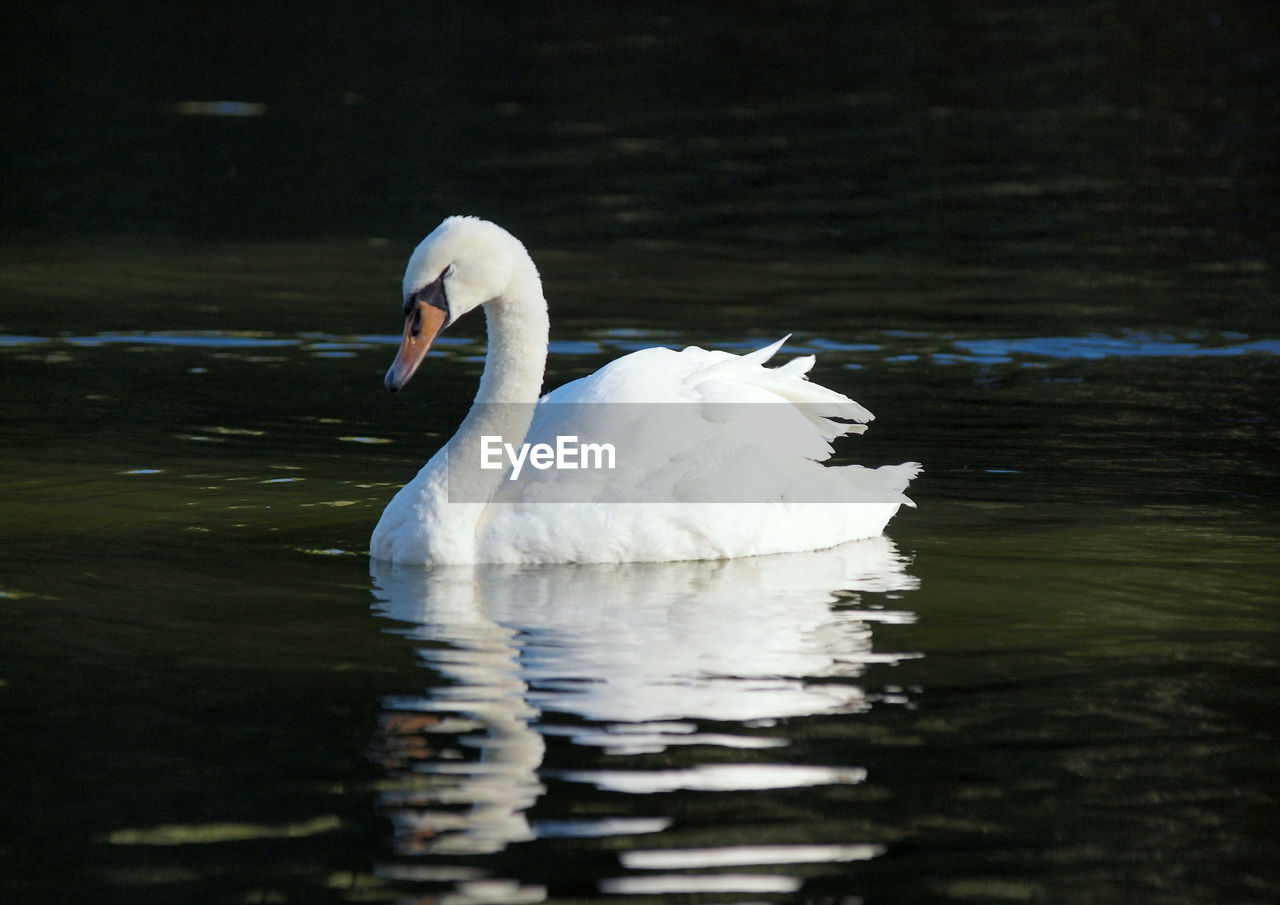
(434,292)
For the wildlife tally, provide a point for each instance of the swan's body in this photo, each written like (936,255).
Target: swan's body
(717,455)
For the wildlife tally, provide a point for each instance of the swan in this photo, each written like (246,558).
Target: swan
(714,456)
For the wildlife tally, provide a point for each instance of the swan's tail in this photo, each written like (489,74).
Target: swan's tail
(832,413)
(897,477)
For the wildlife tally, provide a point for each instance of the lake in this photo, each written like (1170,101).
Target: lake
(1038,243)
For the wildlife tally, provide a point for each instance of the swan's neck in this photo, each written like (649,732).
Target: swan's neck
(514,363)
(453,489)
(517,354)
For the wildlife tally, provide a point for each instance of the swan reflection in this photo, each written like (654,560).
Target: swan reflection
(634,656)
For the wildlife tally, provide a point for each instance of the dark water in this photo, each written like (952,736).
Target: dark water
(1039,243)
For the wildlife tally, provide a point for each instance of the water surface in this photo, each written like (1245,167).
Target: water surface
(1038,244)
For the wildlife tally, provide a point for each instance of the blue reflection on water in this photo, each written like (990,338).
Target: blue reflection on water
(1092,347)
(1096,346)
(212,339)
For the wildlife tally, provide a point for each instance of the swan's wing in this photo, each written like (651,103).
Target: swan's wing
(661,376)
(698,426)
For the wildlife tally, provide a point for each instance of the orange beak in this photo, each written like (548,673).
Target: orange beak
(420,329)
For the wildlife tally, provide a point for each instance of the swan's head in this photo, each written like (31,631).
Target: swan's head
(464,263)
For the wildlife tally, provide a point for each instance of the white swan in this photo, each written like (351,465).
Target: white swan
(722,459)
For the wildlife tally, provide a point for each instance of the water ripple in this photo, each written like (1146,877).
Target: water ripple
(745,856)
(1098,346)
(897,346)
(715,778)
